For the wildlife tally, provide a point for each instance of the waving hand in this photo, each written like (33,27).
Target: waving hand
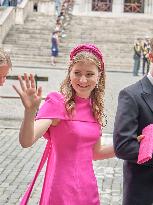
(30,96)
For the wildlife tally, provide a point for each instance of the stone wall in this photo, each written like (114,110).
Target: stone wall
(17,15)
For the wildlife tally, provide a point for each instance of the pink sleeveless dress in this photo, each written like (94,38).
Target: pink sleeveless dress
(69,177)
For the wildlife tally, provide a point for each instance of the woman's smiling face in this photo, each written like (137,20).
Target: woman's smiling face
(84,76)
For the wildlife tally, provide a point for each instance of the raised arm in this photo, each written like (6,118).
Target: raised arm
(30,129)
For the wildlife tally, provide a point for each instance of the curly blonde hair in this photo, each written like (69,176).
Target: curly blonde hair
(5,58)
(97,94)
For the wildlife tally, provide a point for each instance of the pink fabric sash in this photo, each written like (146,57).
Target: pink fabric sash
(146,145)
(46,153)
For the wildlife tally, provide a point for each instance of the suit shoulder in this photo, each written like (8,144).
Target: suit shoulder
(133,88)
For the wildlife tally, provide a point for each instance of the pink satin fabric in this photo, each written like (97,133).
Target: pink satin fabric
(146,145)
(44,158)
(69,177)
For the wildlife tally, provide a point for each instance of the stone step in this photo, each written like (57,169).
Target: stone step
(45,55)
(111,24)
(63,65)
(46,59)
(38,53)
(37,47)
(23,39)
(111,20)
(32,29)
(43,66)
(33,59)
(30,44)
(35,29)
(28,37)
(66,46)
(61,56)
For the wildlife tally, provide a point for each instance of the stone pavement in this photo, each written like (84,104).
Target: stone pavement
(18,165)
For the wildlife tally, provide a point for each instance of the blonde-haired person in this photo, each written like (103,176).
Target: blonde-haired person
(71,121)
(5,65)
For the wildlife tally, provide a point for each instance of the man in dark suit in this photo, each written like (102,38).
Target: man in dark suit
(134,112)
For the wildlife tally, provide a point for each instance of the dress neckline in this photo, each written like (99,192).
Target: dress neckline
(81,99)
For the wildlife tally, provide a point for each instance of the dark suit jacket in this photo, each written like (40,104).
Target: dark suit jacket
(134,112)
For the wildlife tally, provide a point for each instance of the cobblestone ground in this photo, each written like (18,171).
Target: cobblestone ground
(18,166)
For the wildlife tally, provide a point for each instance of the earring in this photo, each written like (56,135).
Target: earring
(97,85)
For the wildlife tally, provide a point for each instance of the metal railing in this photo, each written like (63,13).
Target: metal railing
(134,7)
(15,77)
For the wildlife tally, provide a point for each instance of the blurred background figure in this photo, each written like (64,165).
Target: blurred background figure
(58,24)
(57,7)
(137,56)
(145,52)
(54,46)
(5,65)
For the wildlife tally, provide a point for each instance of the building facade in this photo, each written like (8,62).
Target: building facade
(126,6)
(115,6)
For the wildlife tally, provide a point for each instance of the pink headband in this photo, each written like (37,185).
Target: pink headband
(88,48)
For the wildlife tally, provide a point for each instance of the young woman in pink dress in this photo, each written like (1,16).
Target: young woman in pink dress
(71,121)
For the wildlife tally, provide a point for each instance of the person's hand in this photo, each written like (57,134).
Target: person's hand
(140,137)
(30,96)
